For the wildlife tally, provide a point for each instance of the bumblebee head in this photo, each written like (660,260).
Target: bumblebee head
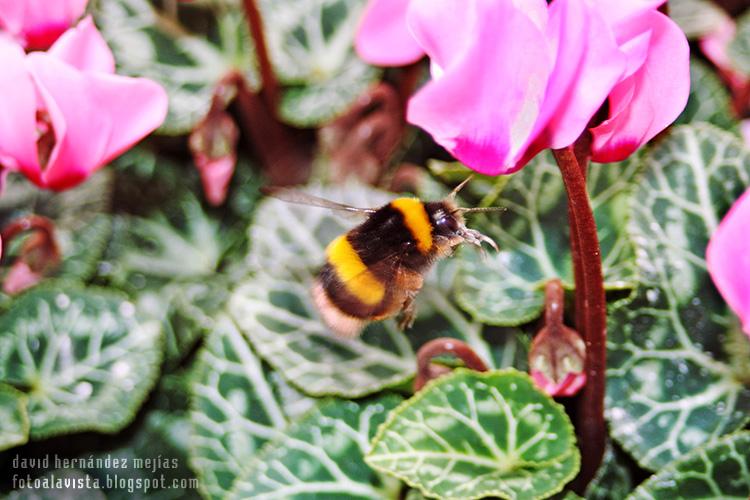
(448,222)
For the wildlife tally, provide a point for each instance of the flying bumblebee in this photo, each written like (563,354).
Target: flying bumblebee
(375,270)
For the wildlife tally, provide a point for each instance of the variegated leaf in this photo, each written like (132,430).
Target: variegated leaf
(669,389)
(468,435)
(321,456)
(83,357)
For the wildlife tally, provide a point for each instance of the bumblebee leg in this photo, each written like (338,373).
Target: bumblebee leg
(408,313)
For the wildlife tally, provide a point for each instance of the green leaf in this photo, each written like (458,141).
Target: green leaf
(709,99)
(507,288)
(320,102)
(668,387)
(14,419)
(739,48)
(148,43)
(238,404)
(720,470)
(311,48)
(469,435)
(182,244)
(697,17)
(83,356)
(321,456)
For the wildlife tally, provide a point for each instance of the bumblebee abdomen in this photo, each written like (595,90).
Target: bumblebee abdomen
(345,269)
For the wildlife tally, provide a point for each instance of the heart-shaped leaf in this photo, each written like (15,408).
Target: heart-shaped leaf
(14,419)
(238,404)
(310,43)
(668,388)
(709,99)
(507,288)
(150,43)
(469,435)
(720,470)
(83,357)
(321,456)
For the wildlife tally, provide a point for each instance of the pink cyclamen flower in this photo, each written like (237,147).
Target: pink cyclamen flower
(512,78)
(65,113)
(38,23)
(728,259)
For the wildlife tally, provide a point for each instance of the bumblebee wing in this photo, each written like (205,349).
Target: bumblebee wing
(301,198)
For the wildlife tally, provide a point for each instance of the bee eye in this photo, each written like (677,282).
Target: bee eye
(448,223)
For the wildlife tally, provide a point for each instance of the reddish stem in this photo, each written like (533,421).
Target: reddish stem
(27,223)
(270,90)
(591,307)
(427,371)
(282,151)
(554,302)
(582,150)
(408,81)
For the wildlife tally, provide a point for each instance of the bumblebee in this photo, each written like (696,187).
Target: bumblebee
(375,270)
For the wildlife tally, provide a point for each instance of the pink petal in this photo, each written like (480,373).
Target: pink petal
(569,386)
(215,177)
(622,11)
(383,38)
(39,22)
(84,48)
(645,103)
(728,259)
(95,116)
(430,20)
(589,64)
(484,107)
(18,116)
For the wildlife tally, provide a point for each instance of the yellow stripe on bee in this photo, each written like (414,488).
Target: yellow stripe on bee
(416,220)
(353,273)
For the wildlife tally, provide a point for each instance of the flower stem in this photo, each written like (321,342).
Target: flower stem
(270,90)
(591,312)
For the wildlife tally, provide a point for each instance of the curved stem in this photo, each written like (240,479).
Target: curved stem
(427,371)
(591,311)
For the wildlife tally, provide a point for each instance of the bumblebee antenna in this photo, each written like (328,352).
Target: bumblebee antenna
(458,188)
(464,210)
